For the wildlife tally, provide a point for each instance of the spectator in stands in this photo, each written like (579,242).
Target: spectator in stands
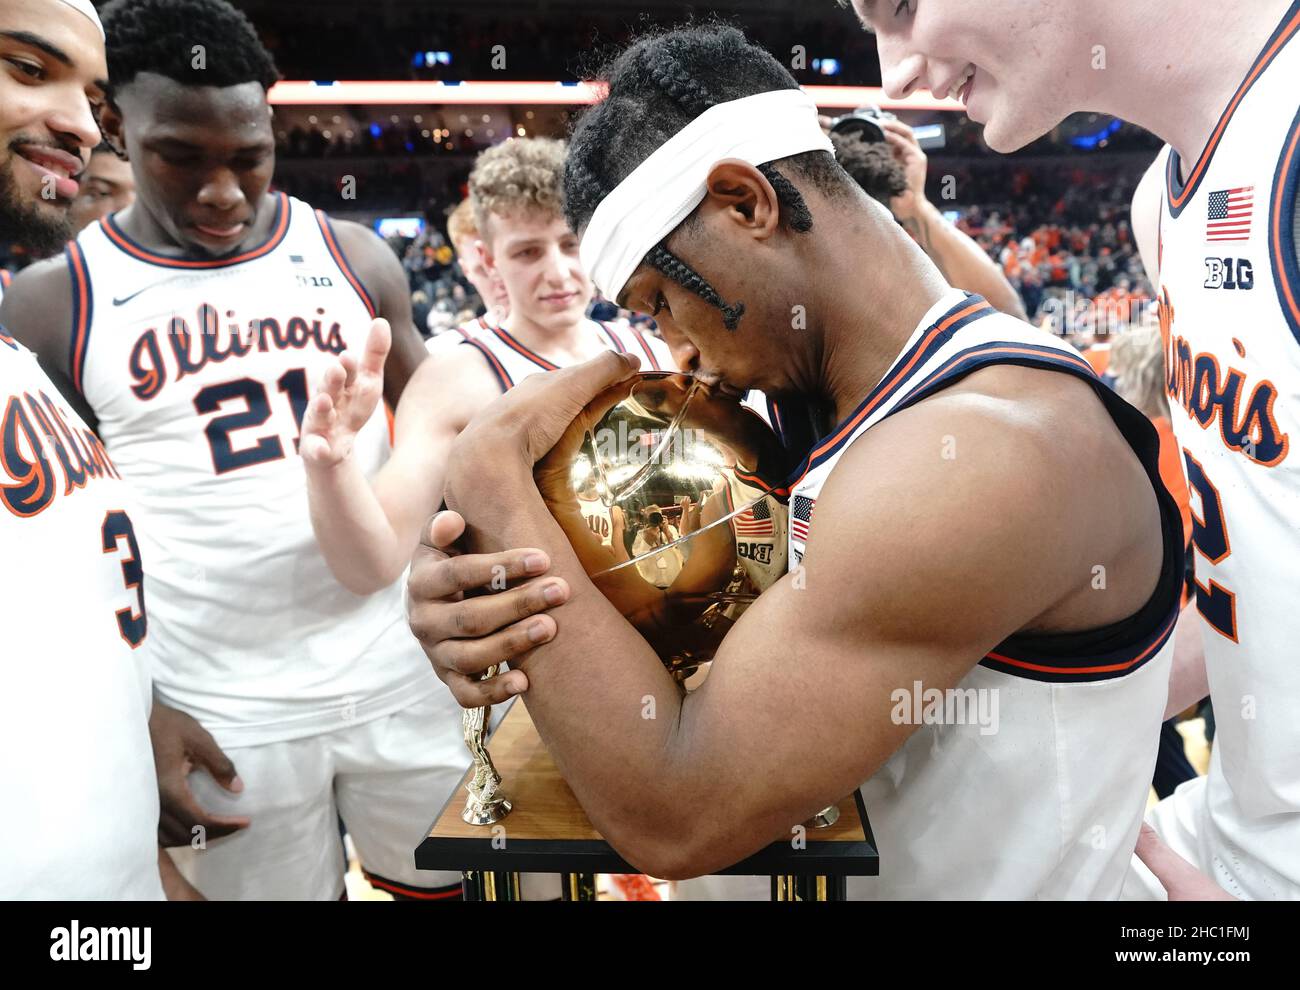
(894,173)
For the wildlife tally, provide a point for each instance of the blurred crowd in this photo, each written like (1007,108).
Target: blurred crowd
(1062,238)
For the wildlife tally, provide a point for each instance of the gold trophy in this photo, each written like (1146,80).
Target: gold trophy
(657,487)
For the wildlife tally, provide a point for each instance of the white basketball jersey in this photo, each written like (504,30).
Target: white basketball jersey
(511,362)
(80,814)
(449,339)
(598,518)
(1038,789)
(1230,317)
(199,373)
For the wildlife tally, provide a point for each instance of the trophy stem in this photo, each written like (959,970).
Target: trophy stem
(483,805)
(824,818)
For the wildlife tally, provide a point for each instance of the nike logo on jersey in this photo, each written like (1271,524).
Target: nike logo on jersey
(30,431)
(123,300)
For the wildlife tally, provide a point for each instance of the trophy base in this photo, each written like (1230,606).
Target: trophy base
(824,818)
(485,814)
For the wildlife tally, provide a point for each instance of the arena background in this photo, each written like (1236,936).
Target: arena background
(1054,215)
(385,104)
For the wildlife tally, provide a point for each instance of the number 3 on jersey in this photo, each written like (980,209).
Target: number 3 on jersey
(1216,603)
(225,457)
(117,529)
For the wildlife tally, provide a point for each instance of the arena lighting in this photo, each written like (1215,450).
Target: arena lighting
(383,93)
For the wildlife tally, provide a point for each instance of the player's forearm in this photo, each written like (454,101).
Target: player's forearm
(602,701)
(962,262)
(1188,680)
(175,886)
(352,529)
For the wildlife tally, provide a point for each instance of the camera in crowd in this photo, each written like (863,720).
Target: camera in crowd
(865,122)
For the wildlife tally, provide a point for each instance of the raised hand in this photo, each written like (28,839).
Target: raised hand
(346,398)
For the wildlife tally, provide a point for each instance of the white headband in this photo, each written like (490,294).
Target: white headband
(87,8)
(662,191)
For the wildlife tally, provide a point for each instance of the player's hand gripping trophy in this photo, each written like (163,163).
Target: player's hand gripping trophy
(662,488)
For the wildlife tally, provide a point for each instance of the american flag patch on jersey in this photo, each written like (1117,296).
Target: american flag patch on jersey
(801,509)
(1229,215)
(755,523)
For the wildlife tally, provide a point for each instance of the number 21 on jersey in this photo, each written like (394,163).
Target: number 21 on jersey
(226,456)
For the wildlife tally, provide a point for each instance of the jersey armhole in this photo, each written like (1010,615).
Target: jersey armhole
(341,260)
(83,311)
(498,369)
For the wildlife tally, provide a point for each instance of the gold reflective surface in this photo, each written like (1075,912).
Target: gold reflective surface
(655,487)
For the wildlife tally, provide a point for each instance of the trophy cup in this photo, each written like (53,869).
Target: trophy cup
(657,486)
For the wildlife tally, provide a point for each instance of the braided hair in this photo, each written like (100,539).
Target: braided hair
(658,86)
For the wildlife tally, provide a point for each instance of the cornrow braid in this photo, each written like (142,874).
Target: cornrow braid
(684,275)
(657,86)
(671,76)
(789,197)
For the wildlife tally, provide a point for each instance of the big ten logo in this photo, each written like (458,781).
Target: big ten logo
(760,553)
(639,447)
(1229,273)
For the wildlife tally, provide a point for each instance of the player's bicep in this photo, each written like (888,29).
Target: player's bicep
(37,312)
(433,410)
(905,579)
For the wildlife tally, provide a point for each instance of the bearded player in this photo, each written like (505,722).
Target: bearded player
(77,628)
(199,316)
(705,192)
(1215,220)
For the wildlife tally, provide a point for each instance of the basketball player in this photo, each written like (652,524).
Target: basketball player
(107,186)
(464,236)
(893,172)
(74,610)
(369,529)
(924,563)
(201,313)
(1215,221)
